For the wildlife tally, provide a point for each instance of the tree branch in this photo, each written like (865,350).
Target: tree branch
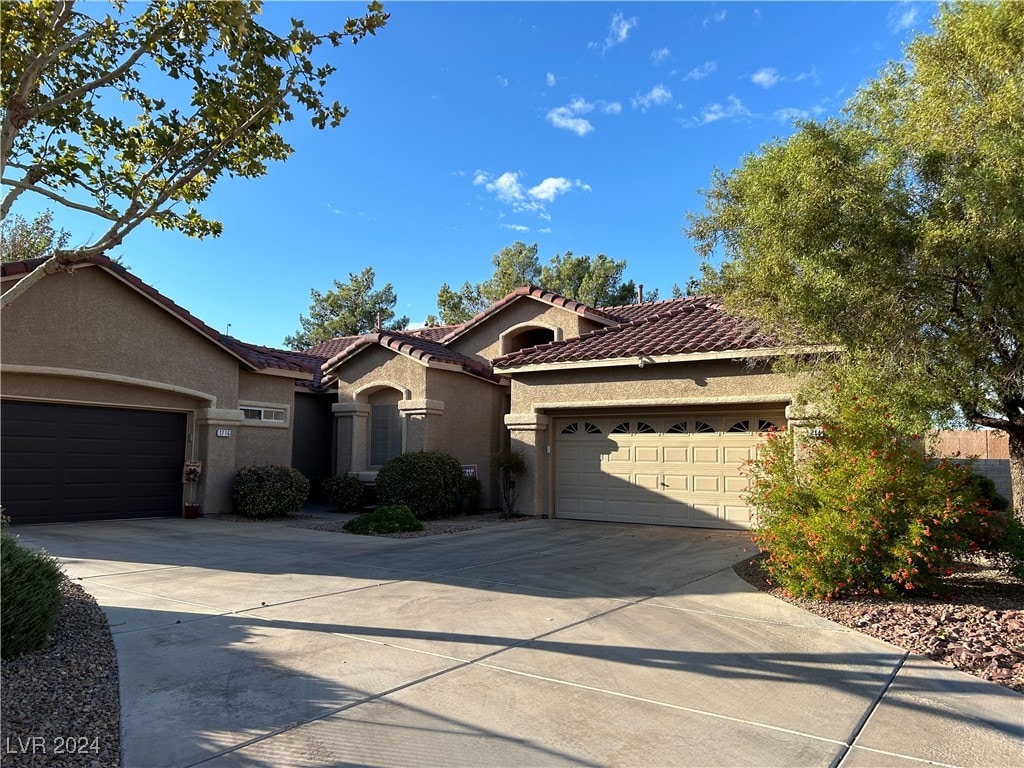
(23,187)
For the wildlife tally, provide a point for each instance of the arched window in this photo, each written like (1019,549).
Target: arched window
(527,336)
(763,425)
(591,429)
(385,427)
(620,429)
(703,428)
(571,429)
(643,428)
(678,428)
(740,426)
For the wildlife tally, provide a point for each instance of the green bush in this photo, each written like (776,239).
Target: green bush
(865,509)
(270,491)
(986,489)
(31,598)
(345,492)
(508,466)
(382,520)
(428,482)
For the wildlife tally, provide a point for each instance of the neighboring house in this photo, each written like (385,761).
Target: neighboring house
(108,387)
(640,413)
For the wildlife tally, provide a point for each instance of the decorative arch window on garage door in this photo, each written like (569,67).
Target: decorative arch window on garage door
(575,429)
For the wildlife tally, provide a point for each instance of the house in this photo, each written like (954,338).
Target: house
(109,387)
(638,413)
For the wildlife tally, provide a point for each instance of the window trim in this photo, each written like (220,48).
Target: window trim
(283,423)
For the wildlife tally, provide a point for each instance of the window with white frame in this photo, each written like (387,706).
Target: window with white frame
(258,414)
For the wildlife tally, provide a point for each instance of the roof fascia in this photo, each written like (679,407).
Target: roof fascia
(487,314)
(642,360)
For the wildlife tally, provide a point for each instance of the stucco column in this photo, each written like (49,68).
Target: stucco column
(416,418)
(804,420)
(352,420)
(214,436)
(529,436)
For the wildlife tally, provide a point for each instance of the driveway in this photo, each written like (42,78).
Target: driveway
(515,644)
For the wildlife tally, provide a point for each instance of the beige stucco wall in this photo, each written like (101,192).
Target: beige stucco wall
(679,383)
(88,338)
(260,444)
(483,342)
(381,365)
(471,428)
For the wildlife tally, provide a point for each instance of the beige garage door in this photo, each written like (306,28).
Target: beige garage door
(681,469)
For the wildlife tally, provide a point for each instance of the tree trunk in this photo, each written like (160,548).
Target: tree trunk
(1017,472)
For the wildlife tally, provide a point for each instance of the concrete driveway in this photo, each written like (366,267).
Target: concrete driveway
(516,644)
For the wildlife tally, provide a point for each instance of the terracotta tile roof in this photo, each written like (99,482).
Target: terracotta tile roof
(325,350)
(626,312)
(678,326)
(253,355)
(432,333)
(534,292)
(415,347)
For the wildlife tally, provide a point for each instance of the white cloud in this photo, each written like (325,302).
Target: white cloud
(618,30)
(545,230)
(508,189)
(656,97)
(550,188)
(812,75)
(551,80)
(699,73)
(715,18)
(658,56)
(516,227)
(756,14)
(501,81)
(569,117)
(565,117)
(733,109)
(766,77)
(901,17)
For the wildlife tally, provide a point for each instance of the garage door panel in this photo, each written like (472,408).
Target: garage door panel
(706,454)
(737,484)
(619,455)
(736,455)
(677,454)
(676,483)
(647,453)
(649,482)
(65,462)
(707,483)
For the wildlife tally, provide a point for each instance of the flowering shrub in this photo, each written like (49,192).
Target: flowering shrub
(865,508)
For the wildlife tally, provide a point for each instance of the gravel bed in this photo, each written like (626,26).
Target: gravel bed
(61,705)
(977,626)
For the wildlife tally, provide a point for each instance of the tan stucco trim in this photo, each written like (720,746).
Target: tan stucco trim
(421,407)
(350,409)
(685,402)
(642,360)
(527,422)
(112,378)
(372,386)
(226,417)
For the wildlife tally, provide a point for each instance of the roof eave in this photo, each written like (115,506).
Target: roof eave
(642,360)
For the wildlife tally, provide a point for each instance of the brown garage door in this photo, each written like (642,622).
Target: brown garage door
(63,463)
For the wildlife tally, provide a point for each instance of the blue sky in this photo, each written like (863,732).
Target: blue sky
(588,127)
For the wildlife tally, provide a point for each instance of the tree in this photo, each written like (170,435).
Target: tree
(596,280)
(83,128)
(896,231)
(350,309)
(514,265)
(21,239)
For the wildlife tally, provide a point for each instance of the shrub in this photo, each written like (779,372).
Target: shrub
(31,598)
(382,520)
(866,508)
(345,492)
(986,489)
(508,466)
(427,482)
(270,491)
(469,494)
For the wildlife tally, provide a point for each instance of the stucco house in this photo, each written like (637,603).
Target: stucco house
(638,413)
